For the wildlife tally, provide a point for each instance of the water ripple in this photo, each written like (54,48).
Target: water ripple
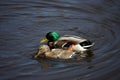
(24,22)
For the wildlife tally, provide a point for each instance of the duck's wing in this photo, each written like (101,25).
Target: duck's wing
(72,38)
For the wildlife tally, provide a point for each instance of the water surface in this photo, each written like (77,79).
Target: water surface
(24,22)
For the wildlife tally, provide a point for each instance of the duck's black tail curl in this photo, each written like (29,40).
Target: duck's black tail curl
(86,44)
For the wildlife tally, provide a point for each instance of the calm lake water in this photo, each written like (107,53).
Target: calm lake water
(24,22)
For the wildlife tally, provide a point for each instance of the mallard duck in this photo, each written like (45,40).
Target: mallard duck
(66,41)
(56,53)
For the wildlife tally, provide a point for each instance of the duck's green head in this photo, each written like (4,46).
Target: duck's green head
(51,36)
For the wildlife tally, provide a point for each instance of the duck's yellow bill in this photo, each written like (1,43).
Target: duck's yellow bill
(43,40)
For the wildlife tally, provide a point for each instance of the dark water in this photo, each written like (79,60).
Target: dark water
(24,22)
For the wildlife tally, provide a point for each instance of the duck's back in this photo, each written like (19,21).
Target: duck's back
(67,40)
